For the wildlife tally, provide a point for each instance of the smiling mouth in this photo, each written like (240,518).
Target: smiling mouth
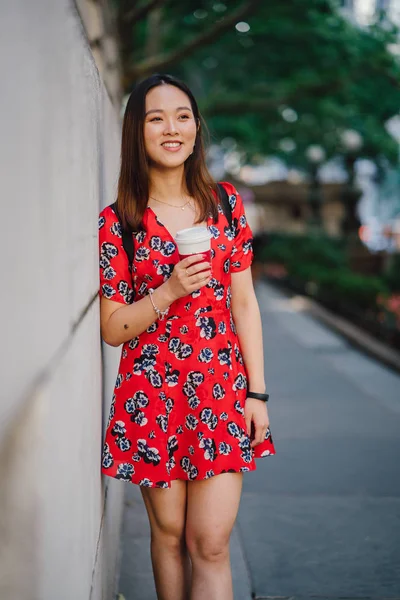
(172,144)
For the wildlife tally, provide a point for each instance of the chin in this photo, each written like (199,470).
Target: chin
(169,164)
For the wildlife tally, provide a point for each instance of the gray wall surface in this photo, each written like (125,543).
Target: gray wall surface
(59,156)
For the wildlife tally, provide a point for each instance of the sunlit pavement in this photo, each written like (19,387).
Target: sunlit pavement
(321,518)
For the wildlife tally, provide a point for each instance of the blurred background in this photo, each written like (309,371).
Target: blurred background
(302,103)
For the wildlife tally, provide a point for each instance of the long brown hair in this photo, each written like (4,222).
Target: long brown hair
(133,182)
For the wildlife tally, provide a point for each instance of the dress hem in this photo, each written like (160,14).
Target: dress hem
(137,480)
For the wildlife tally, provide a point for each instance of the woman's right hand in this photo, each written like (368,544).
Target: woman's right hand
(186,276)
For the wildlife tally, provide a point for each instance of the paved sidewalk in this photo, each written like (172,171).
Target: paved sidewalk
(322,517)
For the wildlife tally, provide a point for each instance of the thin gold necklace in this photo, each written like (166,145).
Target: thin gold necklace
(182,206)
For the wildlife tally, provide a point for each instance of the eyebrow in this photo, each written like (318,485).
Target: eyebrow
(161,110)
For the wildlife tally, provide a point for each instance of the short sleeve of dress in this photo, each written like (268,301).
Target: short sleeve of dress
(115,275)
(242,249)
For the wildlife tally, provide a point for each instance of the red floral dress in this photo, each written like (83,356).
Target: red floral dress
(177,410)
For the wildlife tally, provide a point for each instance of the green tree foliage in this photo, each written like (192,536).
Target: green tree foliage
(298,54)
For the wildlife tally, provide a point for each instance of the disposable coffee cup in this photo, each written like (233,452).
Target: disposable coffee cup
(194,240)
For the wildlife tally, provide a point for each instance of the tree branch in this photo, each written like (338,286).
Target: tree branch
(136,14)
(156,63)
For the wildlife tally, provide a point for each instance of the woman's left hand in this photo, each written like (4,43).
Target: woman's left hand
(256,411)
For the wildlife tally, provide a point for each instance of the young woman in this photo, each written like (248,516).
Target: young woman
(188,414)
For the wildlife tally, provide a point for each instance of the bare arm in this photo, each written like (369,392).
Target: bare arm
(122,322)
(247,319)
(246,315)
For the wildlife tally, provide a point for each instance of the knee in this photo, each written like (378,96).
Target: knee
(213,549)
(170,536)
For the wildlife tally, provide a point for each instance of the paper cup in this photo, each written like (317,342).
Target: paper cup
(194,240)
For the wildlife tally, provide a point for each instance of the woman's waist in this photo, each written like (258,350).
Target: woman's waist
(202,325)
(187,311)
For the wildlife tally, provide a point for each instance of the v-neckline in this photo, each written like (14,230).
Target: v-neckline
(166,228)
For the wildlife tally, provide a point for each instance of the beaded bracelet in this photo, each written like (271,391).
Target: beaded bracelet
(161,314)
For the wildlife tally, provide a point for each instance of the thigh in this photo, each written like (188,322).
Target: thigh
(166,508)
(212,507)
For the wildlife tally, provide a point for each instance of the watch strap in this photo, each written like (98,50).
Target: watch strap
(258,396)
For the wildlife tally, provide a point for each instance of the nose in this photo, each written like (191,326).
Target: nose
(170,126)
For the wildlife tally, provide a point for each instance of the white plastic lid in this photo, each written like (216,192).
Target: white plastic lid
(192,234)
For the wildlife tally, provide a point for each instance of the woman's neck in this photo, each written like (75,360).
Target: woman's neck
(168,185)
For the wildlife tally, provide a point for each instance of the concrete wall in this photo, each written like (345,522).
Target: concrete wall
(59,155)
(100,23)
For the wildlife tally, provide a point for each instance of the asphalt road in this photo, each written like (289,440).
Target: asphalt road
(321,518)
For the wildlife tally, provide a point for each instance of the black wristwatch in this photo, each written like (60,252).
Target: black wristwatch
(258,396)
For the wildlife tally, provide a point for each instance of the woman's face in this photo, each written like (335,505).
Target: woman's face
(169,119)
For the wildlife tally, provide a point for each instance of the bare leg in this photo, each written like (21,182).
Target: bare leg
(211,513)
(166,509)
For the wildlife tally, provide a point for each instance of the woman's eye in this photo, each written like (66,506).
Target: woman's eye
(180,117)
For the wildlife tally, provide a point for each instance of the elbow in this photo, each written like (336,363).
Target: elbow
(240,313)
(112,343)
(109,339)
(244,303)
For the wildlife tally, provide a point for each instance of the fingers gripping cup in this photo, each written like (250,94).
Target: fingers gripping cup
(194,240)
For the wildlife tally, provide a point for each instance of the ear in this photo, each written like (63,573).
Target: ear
(198,124)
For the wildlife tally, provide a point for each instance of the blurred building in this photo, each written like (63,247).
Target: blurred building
(284,206)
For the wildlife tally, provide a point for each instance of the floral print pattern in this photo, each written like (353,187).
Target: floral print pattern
(177,410)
